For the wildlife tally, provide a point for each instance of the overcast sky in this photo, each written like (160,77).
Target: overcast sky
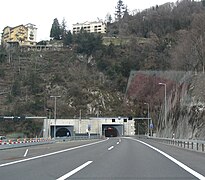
(42,12)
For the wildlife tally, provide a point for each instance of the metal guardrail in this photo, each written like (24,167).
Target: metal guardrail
(33,142)
(23,144)
(197,145)
(74,138)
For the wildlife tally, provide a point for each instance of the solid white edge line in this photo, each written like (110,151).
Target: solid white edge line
(110,148)
(49,154)
(74,171)
(185,167)
(25,154)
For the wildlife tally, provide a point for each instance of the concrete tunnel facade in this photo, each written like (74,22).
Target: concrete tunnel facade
(103,126)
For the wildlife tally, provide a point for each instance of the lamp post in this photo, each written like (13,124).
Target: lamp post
(165,102)
(55,97)
(147,117)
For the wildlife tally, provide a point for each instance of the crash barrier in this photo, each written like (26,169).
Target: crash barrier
(78,137)
(197,145)
(23,142)
(11,143)
(18,141)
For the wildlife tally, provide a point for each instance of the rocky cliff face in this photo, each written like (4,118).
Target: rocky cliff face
(185,109)
(185,99)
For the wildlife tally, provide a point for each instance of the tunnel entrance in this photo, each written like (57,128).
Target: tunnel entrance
(112,130)
(62,132)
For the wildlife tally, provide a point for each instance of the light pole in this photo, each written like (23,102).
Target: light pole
(79,124)
(147,117)
(165,102)
(55,97)
(48,123)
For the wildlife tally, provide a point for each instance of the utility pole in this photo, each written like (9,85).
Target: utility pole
(55,98)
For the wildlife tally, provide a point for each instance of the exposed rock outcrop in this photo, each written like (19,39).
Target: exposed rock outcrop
(185,101)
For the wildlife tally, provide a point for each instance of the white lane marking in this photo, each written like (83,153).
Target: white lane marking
(74,171)
(110,148)
(185,167)
(119,141)
(49,154)
(25,154)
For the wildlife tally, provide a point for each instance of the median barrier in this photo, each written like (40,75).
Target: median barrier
(77,138)
(23,143)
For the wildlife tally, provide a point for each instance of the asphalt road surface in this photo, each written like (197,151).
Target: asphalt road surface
(115,158)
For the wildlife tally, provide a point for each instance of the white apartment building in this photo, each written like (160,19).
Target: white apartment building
(24,35)
(32,33)
(91,27)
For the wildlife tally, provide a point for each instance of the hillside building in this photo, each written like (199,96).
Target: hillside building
(90,27)
(24,35)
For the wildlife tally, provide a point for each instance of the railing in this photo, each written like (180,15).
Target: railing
(23,143)
(197,145)
(39,141)
(74,138)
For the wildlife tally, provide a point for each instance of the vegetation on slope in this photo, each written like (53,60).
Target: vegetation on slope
(92,71)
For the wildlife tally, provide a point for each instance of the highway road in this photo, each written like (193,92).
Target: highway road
(115,158)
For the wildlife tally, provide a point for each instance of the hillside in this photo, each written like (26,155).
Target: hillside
(91,71)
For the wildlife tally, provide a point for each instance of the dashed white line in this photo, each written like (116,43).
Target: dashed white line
(119,141)
(188,169)
(49,154)
(25,154)
(110,148)
(74,171)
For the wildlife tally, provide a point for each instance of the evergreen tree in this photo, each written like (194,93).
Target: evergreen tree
(120,8)
(67,39)
(55,32)
(87,43)
(63,28)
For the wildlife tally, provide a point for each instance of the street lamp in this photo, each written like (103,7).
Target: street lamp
(165,102)
(55,97)
(147,117)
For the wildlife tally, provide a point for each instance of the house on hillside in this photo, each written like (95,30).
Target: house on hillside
(90,27)
(24,35)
